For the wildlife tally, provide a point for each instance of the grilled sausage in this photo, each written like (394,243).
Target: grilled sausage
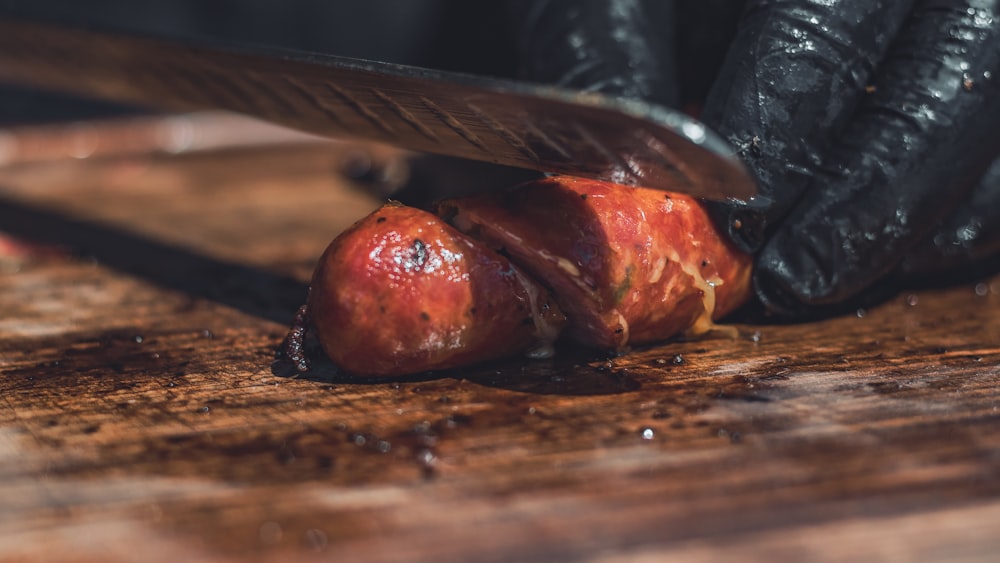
(403,292)
(627,265)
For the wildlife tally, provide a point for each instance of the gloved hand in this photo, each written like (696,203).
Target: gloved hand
(869,124)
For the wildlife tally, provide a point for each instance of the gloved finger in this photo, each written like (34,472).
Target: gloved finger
(971,234)
(914,148)
(794,74)
(618,47)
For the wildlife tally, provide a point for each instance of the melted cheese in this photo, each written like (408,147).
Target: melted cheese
(704,323)
(546,333)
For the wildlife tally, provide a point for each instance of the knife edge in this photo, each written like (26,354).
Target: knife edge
(505,122)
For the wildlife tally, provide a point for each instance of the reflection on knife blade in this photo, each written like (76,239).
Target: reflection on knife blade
(509,123)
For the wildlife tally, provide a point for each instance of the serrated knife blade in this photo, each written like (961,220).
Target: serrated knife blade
(505,122)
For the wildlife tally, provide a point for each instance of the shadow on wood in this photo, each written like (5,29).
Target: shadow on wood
(251,290)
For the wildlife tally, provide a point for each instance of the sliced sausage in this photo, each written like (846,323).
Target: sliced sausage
(627,265)
(402,292)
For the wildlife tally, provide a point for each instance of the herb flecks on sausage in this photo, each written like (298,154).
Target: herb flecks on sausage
(627,265)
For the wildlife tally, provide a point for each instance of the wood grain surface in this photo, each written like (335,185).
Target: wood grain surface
(142,415)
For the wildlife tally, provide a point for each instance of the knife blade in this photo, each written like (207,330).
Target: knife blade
(505,122)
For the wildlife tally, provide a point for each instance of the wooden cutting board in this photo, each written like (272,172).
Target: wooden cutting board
(142,416)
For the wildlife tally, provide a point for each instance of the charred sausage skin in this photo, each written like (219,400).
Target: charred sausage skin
(402,292)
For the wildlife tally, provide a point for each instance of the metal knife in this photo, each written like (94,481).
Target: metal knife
(505,122)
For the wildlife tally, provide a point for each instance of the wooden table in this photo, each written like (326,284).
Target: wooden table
(141,417)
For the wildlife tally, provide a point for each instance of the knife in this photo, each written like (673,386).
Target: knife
(505,122)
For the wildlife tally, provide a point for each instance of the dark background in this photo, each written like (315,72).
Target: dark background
(458,35)
(446,34)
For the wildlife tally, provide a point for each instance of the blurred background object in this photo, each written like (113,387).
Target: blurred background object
(443,34)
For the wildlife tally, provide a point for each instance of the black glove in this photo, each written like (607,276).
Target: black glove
(868,124)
